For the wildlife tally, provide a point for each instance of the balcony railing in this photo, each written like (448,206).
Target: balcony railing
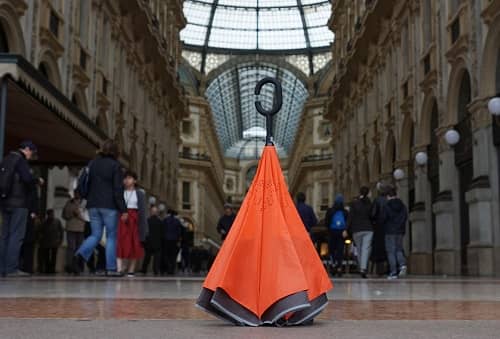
(191,156)
(317,157)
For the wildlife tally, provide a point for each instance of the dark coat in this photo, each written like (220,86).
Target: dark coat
(224,225)
(143,217)
(153,240)
(24,185)
(307,215)
(378,245)
(360,216)
(106,184)
(173,228)
(395,217)
(51,233)
(331,212)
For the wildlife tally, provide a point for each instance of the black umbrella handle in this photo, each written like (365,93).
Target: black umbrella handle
(277,103)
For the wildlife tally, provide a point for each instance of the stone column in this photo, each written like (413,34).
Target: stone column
(421,257)
(480,252)
(446,208)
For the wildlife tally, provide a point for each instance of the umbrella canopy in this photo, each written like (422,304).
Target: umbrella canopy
(267,271)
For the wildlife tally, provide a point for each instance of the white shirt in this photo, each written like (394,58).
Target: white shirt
(131,199)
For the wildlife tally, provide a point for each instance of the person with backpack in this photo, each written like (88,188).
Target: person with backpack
(395,217)
(103,190)
(335,221)
(361,228)
(17,185)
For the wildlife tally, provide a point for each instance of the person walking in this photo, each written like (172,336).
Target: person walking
(27,256)
(75,227)
(379,255)
(173,231)
(187,244)
(360,226)
(335,221)
(306,213)
(51,237)
(226,221)
(153,242)
(394,221)
(17,184)
(132,230)
(104,201)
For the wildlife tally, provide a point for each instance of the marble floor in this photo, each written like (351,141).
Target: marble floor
(416,307)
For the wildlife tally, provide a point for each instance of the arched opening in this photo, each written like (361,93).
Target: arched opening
(49,69)
(377,166)
(390,154)
(433,165)
(463,162)
(4,41)
(44,70)
(102,122)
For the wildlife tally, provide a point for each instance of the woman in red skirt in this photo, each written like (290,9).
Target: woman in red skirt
(132,230)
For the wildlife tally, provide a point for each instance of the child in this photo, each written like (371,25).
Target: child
(132,229)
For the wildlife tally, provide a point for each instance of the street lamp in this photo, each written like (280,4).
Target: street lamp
(398,174)
(421,158)
(494,105)
(452,137)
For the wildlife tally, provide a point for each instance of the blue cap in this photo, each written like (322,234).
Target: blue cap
(28,144)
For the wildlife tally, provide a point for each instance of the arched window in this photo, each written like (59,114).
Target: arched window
(4,43)
(497,78)
(427,22)
(43,69)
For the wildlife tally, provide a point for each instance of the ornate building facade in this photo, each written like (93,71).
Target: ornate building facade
(97,69)
(405,73)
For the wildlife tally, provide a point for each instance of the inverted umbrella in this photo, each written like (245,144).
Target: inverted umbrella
(267,270)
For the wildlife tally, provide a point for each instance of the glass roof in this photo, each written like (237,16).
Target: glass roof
(257,24)
(238,124)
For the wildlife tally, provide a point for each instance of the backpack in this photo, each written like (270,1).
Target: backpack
(7,173)
(83,185)
(338,221)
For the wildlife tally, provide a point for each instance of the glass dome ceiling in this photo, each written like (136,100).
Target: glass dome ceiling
(240,128)
(257,24)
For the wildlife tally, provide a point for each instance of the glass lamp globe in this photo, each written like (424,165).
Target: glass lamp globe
(421,158)
(152,200)
(452,137)
(494,106)
(398,174)
(162,207)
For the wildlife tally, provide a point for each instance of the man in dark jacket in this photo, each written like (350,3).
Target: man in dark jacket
(361,228)
(51,237)
(15,208)
(28,248)
(394,220)
(153,242)
(226,221)
(306,212)
(172,235)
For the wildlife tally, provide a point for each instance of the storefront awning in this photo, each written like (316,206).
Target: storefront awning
(34,109)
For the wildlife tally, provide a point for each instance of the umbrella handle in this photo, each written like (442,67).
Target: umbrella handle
(277,104)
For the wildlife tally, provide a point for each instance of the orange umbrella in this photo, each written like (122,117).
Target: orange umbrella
(267,271)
